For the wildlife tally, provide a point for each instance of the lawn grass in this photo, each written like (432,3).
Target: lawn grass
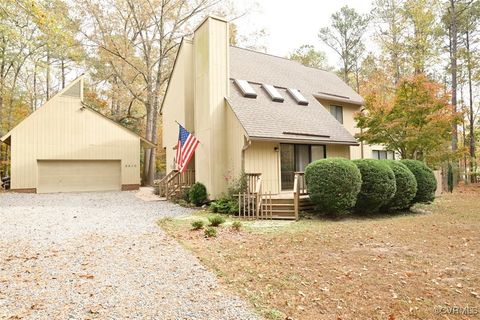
(384,267)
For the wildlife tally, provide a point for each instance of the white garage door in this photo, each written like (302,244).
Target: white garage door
(78,175)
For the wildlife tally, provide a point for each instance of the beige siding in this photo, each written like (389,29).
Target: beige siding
(261,157)
(336,150)
(63,130)
(349,111)
(178,104)
(236,139)
(211,88)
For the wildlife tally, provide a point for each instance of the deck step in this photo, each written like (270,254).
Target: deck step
(279,201)
(284,217)
(278,205)
(282,211)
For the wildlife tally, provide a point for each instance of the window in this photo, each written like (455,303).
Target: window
(337,113)
(245,88)
(299,98)
(273,92)
(383,154)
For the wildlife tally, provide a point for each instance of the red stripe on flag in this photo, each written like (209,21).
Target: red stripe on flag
(189,155)
(187,146)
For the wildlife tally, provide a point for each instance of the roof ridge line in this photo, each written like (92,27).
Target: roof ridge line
(284,58)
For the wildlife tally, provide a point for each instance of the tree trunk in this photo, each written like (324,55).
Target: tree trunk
(471,118)
(2,77)
(48,74)
(152,170)
(147,152)
(453,67)
(34,97)
(345,70)
(63,72)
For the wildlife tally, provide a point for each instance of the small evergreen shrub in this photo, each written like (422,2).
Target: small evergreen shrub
(333,184)
(197,194)
(426,182)
(406,186)
(236,225)
(450,178)
(198,224)
(238,185)
(216,220)
(182,203)
(185,195)
(225,204)
(378,185)
(210,232)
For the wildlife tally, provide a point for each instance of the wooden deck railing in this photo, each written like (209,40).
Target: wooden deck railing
(173,183)
(299,189)
(250,203)
(253,179)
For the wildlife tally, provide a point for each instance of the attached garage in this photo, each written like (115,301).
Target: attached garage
(66,146)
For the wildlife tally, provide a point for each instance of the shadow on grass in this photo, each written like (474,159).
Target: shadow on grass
(382,215)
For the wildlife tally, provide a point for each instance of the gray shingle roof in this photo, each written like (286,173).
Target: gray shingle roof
(264,68)
(263,118)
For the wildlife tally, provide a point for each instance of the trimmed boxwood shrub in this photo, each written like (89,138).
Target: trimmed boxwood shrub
(426,182)
(378,185)
(406,186)
(333,184)
(197,194)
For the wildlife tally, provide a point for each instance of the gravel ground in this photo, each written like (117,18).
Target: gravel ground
(101,256)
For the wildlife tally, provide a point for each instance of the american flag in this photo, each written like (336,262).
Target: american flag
(186,146)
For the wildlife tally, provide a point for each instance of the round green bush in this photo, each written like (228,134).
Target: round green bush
(197,194)
(333,184)
(406,186)
(378,185)
(426,182)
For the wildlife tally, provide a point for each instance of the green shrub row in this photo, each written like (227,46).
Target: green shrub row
(338,185)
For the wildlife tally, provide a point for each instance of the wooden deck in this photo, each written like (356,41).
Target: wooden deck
(256,204)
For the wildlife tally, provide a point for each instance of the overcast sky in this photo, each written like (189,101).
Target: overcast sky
(290,24)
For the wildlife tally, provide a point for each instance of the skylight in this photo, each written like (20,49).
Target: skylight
(299,98)
(245,88)
(273,92)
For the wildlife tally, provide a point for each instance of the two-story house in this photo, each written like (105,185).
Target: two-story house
(255,113)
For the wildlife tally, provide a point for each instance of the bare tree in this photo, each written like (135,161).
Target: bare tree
(139,40)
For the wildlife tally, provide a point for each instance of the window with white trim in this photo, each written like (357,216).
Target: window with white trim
(337,113)
(383,154)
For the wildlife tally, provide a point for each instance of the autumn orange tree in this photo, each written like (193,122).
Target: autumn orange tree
(415,120)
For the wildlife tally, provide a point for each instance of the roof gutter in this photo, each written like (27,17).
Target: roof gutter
(305,141)
(329,97)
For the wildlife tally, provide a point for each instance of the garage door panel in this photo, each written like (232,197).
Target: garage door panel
(78,175)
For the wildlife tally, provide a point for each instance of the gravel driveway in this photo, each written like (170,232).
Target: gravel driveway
(101,256)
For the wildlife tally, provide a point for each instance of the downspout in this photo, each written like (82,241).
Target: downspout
(361,147)
(246,145)
(362,152)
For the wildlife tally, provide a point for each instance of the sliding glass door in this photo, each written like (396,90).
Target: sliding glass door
(294,158)
(287,165)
